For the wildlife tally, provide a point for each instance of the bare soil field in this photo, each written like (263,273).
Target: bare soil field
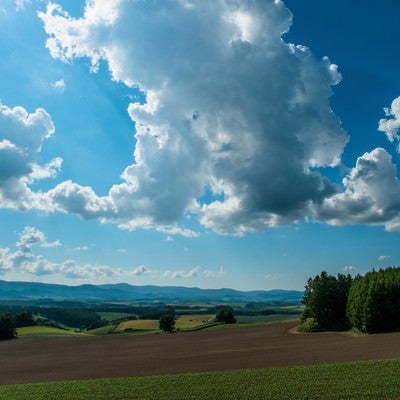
(41,359)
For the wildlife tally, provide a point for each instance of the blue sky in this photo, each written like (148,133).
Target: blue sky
(195,147)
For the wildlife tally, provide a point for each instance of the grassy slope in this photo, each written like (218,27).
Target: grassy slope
(45,331)
(192,321)
(361,380)
(183,322)
(142,324)
(103,330)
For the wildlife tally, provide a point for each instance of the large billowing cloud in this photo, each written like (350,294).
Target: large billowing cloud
(231,110)
(236,126)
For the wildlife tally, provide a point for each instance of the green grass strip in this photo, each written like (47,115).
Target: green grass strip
(46,331)
(360,380)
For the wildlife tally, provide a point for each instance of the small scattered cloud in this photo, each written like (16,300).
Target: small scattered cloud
(383,258)
(195,272)
(271,276)
(390,126)
(21,4)
(122,251)
(31,237)
(178,231)
(24,260)
(214,274)
(184,274)
(169,239)
(140,271)
(349,268)
(60,84)
(81,248)
(56,243)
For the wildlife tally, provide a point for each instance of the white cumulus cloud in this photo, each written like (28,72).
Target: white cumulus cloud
(371,195)
(140,271)
(31,237)
(236,127)
(22,135)
(25,260)
(229,106)
(60,84)
(390,126)
(195,272)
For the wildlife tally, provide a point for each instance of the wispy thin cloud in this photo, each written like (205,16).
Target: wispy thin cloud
(195,272)
(81,248)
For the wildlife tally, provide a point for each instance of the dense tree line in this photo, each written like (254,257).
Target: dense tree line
(73,317)
(7,327)
(25,318)
(325,300)
(158,313)
(9,322)
(370,303)
(374,301)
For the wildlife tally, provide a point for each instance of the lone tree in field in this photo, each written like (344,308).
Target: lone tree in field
(7,327)
(167,323)
(226,316)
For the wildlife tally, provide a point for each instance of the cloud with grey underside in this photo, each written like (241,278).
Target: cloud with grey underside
(232,110)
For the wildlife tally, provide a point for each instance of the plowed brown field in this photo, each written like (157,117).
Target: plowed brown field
(40,359)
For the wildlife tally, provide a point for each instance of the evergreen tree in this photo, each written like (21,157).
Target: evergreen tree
(325,300)
(374,301)
(7,327)
(24,318)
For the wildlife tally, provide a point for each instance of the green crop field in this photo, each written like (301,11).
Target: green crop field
(112,316)
(351,381)
(45,331)
(140,324)
(266,318)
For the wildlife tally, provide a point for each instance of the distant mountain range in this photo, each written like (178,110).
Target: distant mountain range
(126,292)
